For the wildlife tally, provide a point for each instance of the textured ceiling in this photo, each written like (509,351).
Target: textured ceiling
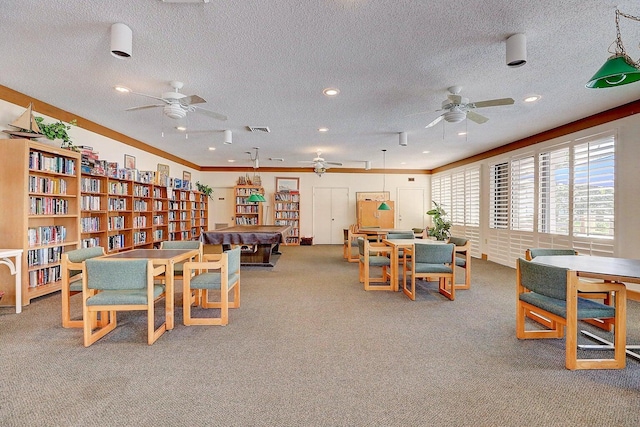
(265,63)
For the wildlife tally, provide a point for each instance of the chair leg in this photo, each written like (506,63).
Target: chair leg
(448,291)
(89,320)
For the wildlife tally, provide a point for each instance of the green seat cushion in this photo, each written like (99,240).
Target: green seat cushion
(587,309)
(124,297)
(461,262)
(76,286)
(377,261)
(211,280)
(422,267)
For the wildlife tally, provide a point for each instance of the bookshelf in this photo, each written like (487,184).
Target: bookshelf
(286,211)
(40,191)
(247,213)
(199,214)
(160,215)
(93,210)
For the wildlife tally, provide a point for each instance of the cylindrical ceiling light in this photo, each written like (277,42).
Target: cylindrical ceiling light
(517,50)
(121,41)
(228,137)
(403,139)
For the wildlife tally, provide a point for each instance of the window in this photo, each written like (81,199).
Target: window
(472,197)
(499,196)
(457,198)
(553,192)
(593,182)
(522,193)
(459,195)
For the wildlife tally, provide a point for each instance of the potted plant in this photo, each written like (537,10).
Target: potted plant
(205,189)
(441,224)
(57,130)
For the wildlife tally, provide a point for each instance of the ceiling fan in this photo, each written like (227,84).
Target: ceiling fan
(458,108)
(176,105)
(320,166)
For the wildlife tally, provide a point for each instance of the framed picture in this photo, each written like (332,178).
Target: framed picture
(287,184)
(129,162)
(162,175)
(186,176)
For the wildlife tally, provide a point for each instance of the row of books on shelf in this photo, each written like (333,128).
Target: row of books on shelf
(39,184)
(41,162)
(46,235)
(44,256)
(44,275)
(48,206)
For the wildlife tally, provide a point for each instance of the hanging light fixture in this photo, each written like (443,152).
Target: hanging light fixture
(256,197)
(619,69)
(384,206)
(121,40)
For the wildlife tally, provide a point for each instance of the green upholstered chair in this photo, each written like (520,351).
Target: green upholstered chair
(554,292)
(605,324)
(181,244)
(374,255)
(401,234)
(351,243)
(219,273)
(431,261)
(463,259)
(71,266)
(112,285)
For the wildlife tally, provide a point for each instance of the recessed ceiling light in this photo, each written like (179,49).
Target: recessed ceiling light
(403,163)
(461,133)
(181,128)
(323,129)
(122,89)
(532,98)
(231,161)
(426,152)
(212,148)
(330,91)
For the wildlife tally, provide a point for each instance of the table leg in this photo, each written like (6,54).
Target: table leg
(607,345)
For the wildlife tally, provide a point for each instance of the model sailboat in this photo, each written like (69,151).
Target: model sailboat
(26,125)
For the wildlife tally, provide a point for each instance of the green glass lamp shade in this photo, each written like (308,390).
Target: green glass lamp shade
(384,207)
(615,72)
(256,197)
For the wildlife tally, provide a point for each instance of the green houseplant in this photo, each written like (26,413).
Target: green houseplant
(441,224)
(57,130)
(205,189)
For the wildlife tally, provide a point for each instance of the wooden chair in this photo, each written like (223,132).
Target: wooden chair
(463,259)
(401,234)
(374,255)
(112,285)
(431,261)
(351,242)
(71,272)
(553,292)
(604,324)
(219,273)
(181,244)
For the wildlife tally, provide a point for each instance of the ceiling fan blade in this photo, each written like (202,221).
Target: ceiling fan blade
(493,102)
(150,96)
(143,107)
(333,163)
(193,99)
(435,122)
(475,117)
(210,113)
(455,99)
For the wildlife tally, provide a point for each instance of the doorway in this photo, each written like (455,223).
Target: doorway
(330,215)
(411,208)
(221,208)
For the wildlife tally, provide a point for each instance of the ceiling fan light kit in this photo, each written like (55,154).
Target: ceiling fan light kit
(121,41)
(619,69)
(517,50)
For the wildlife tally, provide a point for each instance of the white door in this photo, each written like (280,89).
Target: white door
(410,208)
(221,207)
(330,215)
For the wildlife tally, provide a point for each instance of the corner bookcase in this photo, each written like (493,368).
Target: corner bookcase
(246,212)
(40,192)
(286,211)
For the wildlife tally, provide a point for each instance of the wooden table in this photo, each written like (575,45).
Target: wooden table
(396,245)
(257,241)
(604,268)
(16,270)
(167,258)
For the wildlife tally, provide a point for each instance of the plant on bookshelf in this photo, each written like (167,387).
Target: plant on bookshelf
(58,130)
(205,189)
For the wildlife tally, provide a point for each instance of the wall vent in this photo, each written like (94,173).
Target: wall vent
(264,129)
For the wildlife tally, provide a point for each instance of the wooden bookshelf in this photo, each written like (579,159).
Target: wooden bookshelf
(93,214)
(160,215)
(40,193)
(246,212)
(286,211)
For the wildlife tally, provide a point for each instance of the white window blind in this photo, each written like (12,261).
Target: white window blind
(522,193)
(472,197)
(435,191)
(458,198)
(553,192)
(499,195)
(593,195)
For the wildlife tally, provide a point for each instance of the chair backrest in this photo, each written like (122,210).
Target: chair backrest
(361,246)
(120,274)
(433,253)
(233,262)
(180,244)
(400,234)
(543,279)
(458,241)
(534,252)
(80,255)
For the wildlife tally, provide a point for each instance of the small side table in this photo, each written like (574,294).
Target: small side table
(16,270)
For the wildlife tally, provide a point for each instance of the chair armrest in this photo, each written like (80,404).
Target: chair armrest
(158,270)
